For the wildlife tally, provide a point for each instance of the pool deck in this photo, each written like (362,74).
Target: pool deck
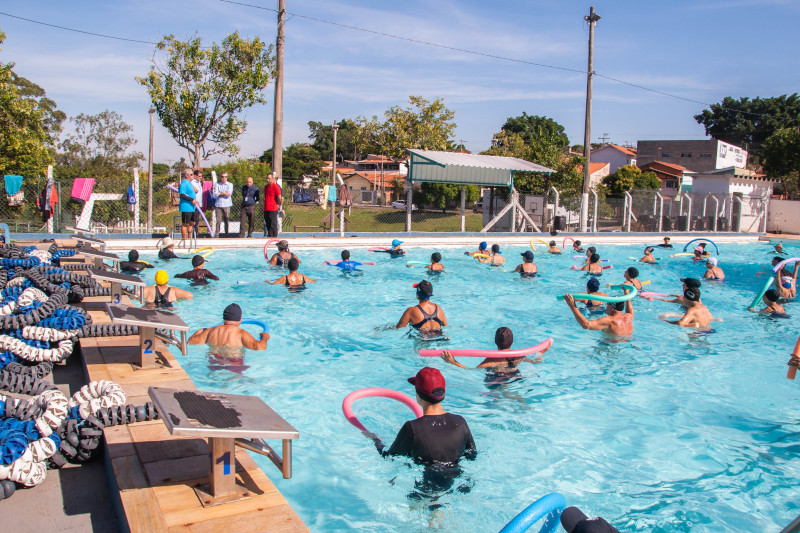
(150,474)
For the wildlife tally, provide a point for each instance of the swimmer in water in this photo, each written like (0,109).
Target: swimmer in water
(426,316)
(229,334)
(697,315)
(436,265)
(631,275)
(396,250)
(133,264)
(713,272)
(503,338)
(166,249)
(481,249)
(618,320)
(281,258)
(592,289)
(495,259)
(345,264)
(576,247)
(294,279)
(528,268)
(593,267)
(702,249)
(589,251)
(198,274)
(554,249)
(162,295)
(787,285)
(779,248)
(688,283)
(770,299)
(648,256)
(665,244)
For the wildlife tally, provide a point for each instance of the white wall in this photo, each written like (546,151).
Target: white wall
(612,156)
(784,216)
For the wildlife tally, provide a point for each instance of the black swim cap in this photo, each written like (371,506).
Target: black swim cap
(436,257)
(577,243)
(594,258)
(345,255)
(503,338)
(197,260)
(593,284)
(495,248)
(133,255)
(692,283)
(552,243)
(527,255)
(424,289)
(619,306)
(693,295)
(591,249)
(633,272)
(293,263)
(772,295)
(232,313)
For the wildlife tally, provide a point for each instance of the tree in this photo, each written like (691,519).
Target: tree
(748,123)
(160,169)
(346,140)
(424,124)
(630,177)
(29,124)
(198,92)
(782,158)
(98,148)
(531,127)
(441,194)
(298,159)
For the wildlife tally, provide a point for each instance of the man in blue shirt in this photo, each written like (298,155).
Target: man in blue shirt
(223,190)
(249,200)
(188,203)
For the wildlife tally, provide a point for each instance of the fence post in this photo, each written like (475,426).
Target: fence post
(463,205)
(555,206)
(514,199)
(716,210)
(138,199)
(765,204)
(689,213)
(660,209)
(408,205)
(629,201)
(595,213)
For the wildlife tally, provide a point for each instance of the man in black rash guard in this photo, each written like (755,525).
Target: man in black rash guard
(437,439)
(133,264)
(198,274)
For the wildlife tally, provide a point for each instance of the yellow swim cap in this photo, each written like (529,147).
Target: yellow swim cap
(162,277)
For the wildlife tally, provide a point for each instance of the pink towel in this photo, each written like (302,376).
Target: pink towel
(82,188)
(207,185)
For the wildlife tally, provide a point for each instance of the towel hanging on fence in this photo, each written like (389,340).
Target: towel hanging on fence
(207,186)
(82,189)
(131,199)
(13,184)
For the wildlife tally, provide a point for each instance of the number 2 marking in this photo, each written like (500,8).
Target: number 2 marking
(148,345)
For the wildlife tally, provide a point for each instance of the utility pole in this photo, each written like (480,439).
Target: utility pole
(150,177)
(587,133)
(277,123)
(333,178)
(605,138)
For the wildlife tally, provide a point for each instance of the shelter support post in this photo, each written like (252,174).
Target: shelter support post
(514,203)
(628,211)
(689,213)
(138,198)
(716,211)
(409,196)
(660,210)
(765,210)
(214,211)
(595,213)
(463,206)
(738,225)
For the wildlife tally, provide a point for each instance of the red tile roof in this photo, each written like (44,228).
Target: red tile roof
(675,168)
(375,177)
(627,151)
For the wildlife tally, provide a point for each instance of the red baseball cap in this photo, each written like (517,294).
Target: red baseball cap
(429,383)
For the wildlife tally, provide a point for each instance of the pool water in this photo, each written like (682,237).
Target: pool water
(669,432)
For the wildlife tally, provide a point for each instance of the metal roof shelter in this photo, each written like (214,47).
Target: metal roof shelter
(470,169)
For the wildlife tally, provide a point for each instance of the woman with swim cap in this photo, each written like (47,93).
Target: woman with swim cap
(133,264)
(592,289)
(554,249)
(436,265)
(576,247)
(503,339)
(281,258)
(481,249)
(713,272)
(630,278)
(495,259)
(425,316)
(162,295)
(786,285)
(528,268)
(593,267)
(648,256)
(294,279)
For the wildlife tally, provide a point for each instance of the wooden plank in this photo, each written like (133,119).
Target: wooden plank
(118,441)
(154,443)
(138,500)
(280,519)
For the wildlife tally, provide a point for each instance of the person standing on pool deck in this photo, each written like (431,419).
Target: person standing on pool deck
(787,285)
(223,191)
(187,204)
(294,279)
(503,339)
(229,334)
(770,299)
(665,244)
(162,295)
(593,267)
(426,316)
(495,259)
(528,268)
(281,258)
(273,199)
(697,315)
(713,272)
(619,319)
(592,289)
(436,265)
(481,249)
(198,274)
(249,201)
(554,249)
(648,256)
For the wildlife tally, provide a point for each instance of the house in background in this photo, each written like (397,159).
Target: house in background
(374,188)
(743,195)
(598,171)
(672,176)
(616,156)
(699,155)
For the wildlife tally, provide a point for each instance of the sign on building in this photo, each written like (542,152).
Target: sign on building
(729,155)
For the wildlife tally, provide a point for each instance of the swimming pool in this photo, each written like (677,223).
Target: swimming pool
(668,432)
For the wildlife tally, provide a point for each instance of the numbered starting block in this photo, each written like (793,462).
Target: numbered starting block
(117,280)
(149,320)
(226,420)
(91,241)
(99,257)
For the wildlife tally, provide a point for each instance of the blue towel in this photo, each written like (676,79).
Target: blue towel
(13,184)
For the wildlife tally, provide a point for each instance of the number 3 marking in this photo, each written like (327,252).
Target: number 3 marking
(116,298)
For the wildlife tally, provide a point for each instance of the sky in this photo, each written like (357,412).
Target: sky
(698,50)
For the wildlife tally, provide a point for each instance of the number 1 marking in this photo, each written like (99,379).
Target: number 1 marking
(225,459)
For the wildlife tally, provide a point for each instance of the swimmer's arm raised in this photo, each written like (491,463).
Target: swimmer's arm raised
(584,323)
(249,342)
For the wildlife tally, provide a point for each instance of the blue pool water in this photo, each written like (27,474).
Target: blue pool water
(669,432)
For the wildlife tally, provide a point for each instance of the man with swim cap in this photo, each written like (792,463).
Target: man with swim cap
(198,274)
(481,249)
(697,315)
(426,316)
(592,289)
(503,339)
(618,319)
(436,265)
(554,249)
(162,295)
(229,334)
(713,272)
(496,259)
(133,264)
(528,268)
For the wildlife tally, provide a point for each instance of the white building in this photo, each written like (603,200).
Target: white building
(742,194)
(616,156)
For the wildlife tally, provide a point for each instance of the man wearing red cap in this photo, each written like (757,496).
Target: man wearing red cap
(437,437)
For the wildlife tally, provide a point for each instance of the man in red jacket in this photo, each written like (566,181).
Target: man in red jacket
(273,199)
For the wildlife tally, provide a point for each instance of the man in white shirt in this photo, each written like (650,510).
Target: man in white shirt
(223,190)
(197,183)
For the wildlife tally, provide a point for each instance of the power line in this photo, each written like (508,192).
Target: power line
(77,31)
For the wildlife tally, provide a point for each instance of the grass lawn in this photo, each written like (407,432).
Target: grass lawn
(384,219)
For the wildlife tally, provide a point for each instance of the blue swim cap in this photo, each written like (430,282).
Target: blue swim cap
(482,246)
(396,242)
